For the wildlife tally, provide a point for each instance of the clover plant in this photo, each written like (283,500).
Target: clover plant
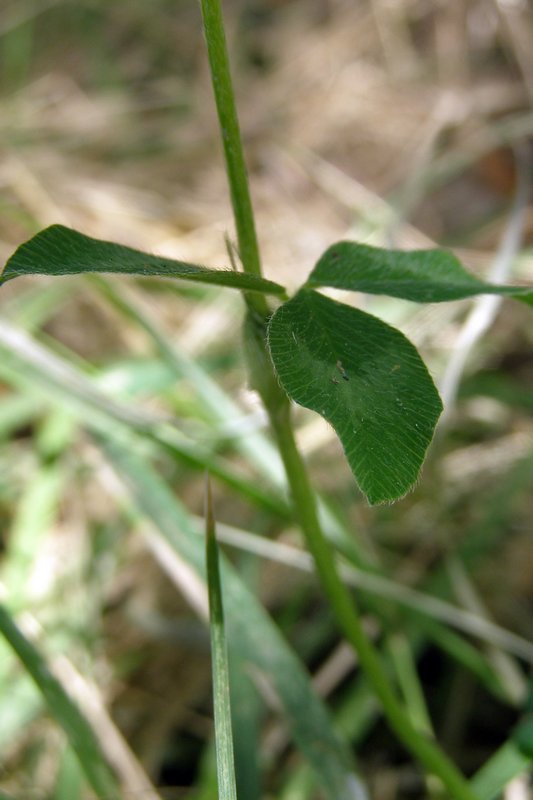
(359,373)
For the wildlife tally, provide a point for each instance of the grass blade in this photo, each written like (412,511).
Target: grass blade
(80,734)
(27,364)
(227,789)
(251,632)
(507,763)
(217,403)
(247,709)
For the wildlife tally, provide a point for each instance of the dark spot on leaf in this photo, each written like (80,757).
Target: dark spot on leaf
(342,371)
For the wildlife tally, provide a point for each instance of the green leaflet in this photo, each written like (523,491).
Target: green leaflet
(61,251)
(423,276)
(366,379)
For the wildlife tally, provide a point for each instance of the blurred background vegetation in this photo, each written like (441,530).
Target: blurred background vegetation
(402,122)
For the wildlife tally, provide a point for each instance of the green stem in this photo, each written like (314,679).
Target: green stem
(277,405)
(231,139)
(346,613)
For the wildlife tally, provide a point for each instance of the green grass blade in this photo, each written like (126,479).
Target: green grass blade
(463,652)
(33,308)
(251,631)
(27,364)
(69,785)
(216,402)
(35,513)
(82,739)
(405,667)
(227,789)
(247,710)
(61,251)
(507,763)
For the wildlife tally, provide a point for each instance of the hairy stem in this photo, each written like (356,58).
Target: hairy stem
(347,616)
(231,139)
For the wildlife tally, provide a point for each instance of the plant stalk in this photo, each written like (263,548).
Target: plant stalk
(346,613)
(278,408)
(217,52)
